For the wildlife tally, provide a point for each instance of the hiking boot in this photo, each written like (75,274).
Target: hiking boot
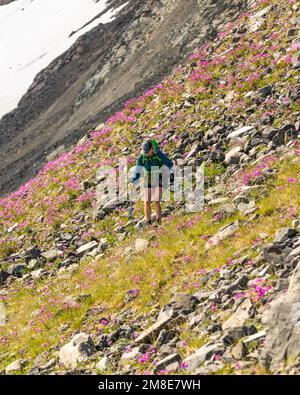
(158,221)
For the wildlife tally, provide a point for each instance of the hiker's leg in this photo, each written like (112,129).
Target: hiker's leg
(147,200)
(157,199)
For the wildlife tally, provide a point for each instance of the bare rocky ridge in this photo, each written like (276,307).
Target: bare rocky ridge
(104,68)
(4,2)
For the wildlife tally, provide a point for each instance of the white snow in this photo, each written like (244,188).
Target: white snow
(35,32)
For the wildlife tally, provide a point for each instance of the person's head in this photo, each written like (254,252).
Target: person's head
(148,148)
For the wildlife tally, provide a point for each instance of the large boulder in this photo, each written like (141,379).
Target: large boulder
(76,351)
(282,320)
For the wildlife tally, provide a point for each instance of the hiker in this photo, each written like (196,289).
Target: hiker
(149,162)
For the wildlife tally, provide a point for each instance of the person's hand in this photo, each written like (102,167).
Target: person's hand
(172,178)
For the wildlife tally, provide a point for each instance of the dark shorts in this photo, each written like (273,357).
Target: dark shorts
(156,183)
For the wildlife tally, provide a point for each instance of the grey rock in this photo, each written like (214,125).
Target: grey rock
(169,363)
(179,304)
(16,270)
(131,355)
(240,132)
(112,205)
(141,245)
(202,295)
(247,208)
(239,351)
(52,254)
(235,333)
(32,253)
(77,350)
(166,350)
(217,156)
(295,253)
(285,134)
(103,364)
(216,201)
(282,321)
(293,32)
(102,342)
(272,253)
(269,132)
(233,156)
(86,247)
(214,328)
(266,91)
(4,275)
(255,337)
(163,338)
(296,224)
(194,150)
(196,359)
(38,273)
(282,235)
(67,236)
(240,316)
(226,210)
(240,283)
(223,234)
(207,370)
(33,264)
(153,330)
(48,365)
(2,315)
(14,367)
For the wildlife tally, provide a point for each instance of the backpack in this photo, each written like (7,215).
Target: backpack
(145,158)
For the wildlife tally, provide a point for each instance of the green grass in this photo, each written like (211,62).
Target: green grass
(156,274)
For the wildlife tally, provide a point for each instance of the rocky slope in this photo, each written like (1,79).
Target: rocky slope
(4,2)
(92,80)
(85,291)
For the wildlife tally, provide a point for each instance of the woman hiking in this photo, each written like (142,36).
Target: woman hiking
(150,162)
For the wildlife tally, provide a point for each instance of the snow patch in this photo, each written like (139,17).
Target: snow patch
(35,32)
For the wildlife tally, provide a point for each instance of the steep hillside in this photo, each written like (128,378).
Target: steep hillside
(93,79)
(85,291)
